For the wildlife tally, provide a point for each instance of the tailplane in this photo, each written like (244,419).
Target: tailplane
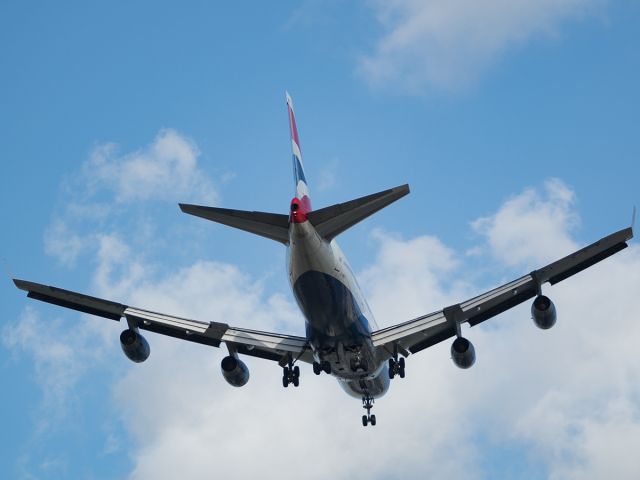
(332,221)
(328,222)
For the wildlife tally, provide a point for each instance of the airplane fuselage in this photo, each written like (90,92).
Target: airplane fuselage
(338,320)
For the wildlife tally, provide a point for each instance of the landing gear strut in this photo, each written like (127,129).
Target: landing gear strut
(396,367)
(367,403)
(290,374)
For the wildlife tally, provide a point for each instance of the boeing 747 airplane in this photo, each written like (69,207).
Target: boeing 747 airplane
(342,338)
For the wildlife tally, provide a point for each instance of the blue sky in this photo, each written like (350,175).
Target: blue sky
(517,129)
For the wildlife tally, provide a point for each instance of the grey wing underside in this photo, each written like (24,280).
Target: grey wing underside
(271,346)
(423,332)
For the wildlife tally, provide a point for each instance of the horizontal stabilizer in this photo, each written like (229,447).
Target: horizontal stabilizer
(331,221)
(270,225)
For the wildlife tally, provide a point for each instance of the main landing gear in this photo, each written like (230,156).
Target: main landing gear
(325,367)
(396,367)
(367,403)
(290,374)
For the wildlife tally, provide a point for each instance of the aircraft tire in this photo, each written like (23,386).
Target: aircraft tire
(326,366)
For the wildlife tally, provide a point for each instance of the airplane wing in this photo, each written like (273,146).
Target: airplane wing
(427,330)
(271,346)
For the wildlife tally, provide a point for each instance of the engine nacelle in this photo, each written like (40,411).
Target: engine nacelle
(134,346)
(463,353)
(543,312)
(234,371)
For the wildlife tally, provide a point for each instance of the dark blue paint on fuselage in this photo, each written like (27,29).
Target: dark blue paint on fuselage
(331,311)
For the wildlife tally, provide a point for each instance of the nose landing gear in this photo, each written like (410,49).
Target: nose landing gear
(367,403)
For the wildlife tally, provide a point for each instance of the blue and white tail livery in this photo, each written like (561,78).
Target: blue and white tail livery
(302,189)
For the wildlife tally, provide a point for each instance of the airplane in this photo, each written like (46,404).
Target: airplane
(342,338)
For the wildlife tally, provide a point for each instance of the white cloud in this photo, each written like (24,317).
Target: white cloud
(64,244)
(61,356)
(448,43)
(109,198)
(566,399)
(530,229)
(165,170)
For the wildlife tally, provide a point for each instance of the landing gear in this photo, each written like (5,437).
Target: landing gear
(290,374)
(367,403)
(396,367)
(325,367)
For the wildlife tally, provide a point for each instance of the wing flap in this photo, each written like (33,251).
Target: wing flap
(272,346)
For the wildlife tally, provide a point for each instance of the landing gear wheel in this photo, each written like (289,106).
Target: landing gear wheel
(396,367)
(317,369)
(290,374)
(365,420)
(326,367)
(372,419)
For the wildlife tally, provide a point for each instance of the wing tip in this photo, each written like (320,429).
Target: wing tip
(21,284)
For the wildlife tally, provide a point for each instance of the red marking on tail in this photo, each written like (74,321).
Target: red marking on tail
(299,209)
(292,126)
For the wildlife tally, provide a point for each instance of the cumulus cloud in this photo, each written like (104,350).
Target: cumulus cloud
(448,43)
(55,353)
(532,228)
(164,170)
(112,192)
(564,400)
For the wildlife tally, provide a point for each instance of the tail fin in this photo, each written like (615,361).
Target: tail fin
(302,190)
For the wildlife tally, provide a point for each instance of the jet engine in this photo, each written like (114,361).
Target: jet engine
(134,346)
(543,312)
(463,353)
(234,371)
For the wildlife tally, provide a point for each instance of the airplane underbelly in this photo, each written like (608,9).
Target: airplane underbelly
(375,386)
(331,311)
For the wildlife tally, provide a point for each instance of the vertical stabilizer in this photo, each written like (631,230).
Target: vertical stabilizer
(302,190)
